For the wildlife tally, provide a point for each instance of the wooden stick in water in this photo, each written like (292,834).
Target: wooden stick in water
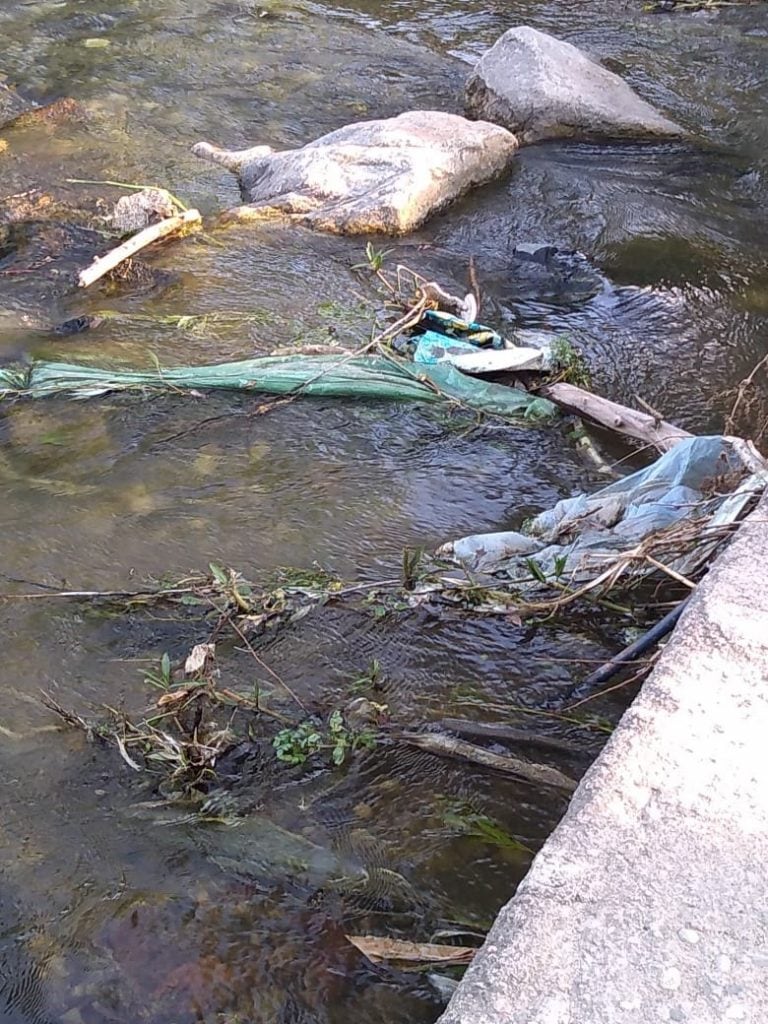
(103,264)
(630,422)
(443,745)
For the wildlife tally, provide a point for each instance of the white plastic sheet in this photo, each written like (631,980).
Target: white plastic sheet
(712,479)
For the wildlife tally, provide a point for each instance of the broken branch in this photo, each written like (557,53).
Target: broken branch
(103,264)
(448,746)
(630,422)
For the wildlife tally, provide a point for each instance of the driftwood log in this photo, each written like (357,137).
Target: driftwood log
(639,425)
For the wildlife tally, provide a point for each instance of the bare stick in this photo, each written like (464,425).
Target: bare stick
(499,731)
(98,595)
(744,385)
(103,264)
(670,572)
(448,746)
(630,422)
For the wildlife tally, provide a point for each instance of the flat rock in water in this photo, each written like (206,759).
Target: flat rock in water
(11,105)
(16,111)
(540,87)
(384,176)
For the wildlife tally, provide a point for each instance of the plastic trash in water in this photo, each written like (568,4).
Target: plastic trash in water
(494,360)
(362,377)
(576,540)
(437,348)
(439,325)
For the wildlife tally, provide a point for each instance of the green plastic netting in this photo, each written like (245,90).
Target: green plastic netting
(324,376)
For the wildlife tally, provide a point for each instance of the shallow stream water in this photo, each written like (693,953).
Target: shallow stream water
(104,917)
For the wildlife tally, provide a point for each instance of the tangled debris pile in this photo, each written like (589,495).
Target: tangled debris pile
(197,719)
(677,506)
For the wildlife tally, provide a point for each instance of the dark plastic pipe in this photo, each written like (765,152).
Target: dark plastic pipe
(640,646)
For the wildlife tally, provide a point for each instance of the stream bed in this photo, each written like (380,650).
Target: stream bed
(108,915)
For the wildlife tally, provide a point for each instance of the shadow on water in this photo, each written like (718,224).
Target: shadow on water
(104,916)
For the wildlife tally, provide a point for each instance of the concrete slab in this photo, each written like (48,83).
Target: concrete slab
(650,901)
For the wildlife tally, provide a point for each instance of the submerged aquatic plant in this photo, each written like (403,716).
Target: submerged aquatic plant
(468,821)
(295,746)
(569,363)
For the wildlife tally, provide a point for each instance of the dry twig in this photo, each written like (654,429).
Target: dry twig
(103,264)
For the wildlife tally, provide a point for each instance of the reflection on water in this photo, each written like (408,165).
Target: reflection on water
(103,916)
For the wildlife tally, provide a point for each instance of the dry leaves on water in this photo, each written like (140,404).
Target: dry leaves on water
(380,950)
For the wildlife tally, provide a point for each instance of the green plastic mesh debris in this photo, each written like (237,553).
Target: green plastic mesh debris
(13,379)
(484,395)
(325,376)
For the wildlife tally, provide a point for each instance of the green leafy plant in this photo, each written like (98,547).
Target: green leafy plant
(232,587)
(535,570)
(561,562)
(369,680)
(296,745)
(411,561)
(569,363)
(161,677)
(340,738)
(374,258)
(380,604)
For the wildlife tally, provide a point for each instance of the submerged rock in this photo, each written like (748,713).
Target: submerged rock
(11,105)
(372,176)
(543,88)
(15,110)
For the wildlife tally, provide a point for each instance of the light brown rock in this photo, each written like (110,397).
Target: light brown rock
(383,176)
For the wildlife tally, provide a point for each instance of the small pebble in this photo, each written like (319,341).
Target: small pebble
(676,1013)
(670,979)
(630,1004)
(689,935)
(723,963)
(96,43)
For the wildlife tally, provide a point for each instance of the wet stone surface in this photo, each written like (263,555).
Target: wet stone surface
(659,275)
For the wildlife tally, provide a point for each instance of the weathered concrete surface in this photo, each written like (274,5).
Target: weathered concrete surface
(650,901)
(543,88)
(372,176)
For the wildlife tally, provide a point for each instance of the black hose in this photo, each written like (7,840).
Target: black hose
(640,646)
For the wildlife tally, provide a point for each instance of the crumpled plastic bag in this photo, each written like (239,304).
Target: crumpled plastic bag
(579,537)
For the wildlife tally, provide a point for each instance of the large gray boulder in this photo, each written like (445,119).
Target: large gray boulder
(543,88)
(372,176)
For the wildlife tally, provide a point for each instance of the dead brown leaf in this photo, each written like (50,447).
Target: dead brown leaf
(173,697)
(198,657)
(379,949)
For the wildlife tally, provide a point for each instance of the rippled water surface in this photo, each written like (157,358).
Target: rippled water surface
(104,915)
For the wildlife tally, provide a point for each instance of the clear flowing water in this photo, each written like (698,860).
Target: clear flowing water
(104,917)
